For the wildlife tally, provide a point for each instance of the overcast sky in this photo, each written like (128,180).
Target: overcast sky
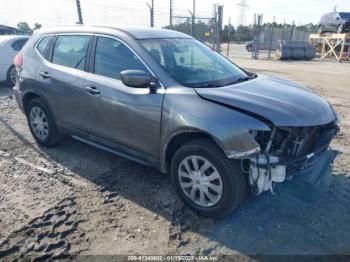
(135,12)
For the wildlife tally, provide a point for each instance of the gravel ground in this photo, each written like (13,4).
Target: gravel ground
(75,200)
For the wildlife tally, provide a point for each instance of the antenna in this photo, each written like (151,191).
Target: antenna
(242,16)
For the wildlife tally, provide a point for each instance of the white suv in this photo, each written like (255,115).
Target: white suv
(10,45)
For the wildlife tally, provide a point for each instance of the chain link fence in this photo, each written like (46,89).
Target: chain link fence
(260,41)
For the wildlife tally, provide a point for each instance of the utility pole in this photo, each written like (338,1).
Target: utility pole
(80,16)
(228,36)
(220,16)
(256,42)
(271,36)
(151,10)
(193,17)
(171,12)
(292,33)
(214,29)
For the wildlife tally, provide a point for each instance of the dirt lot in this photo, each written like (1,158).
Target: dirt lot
(78,200)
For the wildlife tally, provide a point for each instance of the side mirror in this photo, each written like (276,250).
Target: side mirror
(136,78)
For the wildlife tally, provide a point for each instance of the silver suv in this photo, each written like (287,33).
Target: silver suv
(164,99)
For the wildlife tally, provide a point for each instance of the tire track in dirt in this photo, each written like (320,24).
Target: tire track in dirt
(44,237)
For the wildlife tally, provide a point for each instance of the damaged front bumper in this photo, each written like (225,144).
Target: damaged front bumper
(287,151)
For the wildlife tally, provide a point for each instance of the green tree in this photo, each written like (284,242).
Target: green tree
(24,28)
(37,26)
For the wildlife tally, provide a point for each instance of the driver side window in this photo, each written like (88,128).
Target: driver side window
(113,57)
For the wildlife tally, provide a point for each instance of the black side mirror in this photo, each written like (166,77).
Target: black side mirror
(136,78)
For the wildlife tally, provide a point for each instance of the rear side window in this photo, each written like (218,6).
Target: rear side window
(18,44)
(44,44)
(113,57)
(71,51)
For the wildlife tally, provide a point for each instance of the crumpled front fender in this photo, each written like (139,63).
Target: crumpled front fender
(188,113)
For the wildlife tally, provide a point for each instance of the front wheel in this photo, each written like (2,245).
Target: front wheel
(206,180)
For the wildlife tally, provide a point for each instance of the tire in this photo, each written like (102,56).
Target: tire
(320,29)
(232,181)
(35,111)
(249,48)
(11,77)
(340,29)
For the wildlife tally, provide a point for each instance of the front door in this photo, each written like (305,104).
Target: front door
(127,116)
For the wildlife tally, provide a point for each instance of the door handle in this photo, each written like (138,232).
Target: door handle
(45,75)
(92,90)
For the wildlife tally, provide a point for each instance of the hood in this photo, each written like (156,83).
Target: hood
(282,102)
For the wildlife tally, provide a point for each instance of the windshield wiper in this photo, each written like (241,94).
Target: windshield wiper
(242,79)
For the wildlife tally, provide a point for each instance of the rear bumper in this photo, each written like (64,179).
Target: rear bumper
(19,98)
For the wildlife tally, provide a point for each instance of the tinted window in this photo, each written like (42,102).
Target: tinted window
(345,15)
(43,46)
(113,57)
(71,51)
(18,44)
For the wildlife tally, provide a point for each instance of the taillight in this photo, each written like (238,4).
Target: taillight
(18,60)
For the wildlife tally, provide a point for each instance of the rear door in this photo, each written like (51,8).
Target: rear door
(62,79)
(127,116)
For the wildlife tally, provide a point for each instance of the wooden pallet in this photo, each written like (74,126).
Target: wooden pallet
(332,45)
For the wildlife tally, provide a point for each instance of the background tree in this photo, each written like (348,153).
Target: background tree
(37,26)
(25,29)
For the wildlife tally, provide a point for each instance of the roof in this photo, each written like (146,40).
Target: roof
(7,27)
(135,32)
(9,37)
(13,36)
(152,33)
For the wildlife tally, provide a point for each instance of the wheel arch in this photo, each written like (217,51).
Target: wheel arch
(27,97)
(181,138)
(30,95)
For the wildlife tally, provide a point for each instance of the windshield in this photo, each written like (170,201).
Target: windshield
(192,63)
(345,15)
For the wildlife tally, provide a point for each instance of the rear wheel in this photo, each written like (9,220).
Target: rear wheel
(206,180)
(320,29)
(42,124)
(340,29)
(11,76)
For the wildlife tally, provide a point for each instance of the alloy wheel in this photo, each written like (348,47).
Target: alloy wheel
(38,122)
(340,29)
(200,181)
